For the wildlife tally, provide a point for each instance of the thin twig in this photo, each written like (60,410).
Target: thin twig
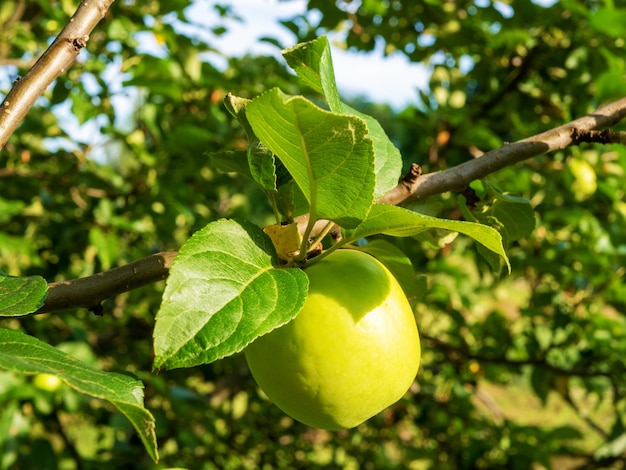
(19,63)
(459,177)
(55,60)
(89,292)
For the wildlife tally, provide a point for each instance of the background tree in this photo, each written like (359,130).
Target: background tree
(519,370)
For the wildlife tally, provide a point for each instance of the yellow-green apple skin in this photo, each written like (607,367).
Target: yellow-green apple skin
(585,183)
(47,382)
(352,351)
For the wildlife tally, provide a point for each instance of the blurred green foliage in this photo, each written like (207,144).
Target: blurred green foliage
(520,371)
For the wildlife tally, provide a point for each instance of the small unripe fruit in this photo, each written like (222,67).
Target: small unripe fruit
(47,382)
(585,184)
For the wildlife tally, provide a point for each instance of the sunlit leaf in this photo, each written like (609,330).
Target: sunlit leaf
(386,155)
(313,63)
(21,295)
(28,355)
(222,292)
(398,222)
(328,154)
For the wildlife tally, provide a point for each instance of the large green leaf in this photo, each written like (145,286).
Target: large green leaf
(222,292)
(328,154)
(388,166)
(21,295)
(313,63)
(23,353)
(399,222)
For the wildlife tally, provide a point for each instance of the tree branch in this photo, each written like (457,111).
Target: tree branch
(57,58)
(459,177)
(89,292)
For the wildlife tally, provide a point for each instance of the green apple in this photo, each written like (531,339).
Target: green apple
(48,382)
(350,353)
(585,184)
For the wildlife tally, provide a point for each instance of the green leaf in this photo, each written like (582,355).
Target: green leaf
(285,200)
(328,154)
(540,379)
(23,353)
(9,208)
(222,292)
(493,260)
(261,163)
(398,222)
(231,161)
(21,295)
(608,20)
(513,216)
(387,157)
(313,63)
(562,433)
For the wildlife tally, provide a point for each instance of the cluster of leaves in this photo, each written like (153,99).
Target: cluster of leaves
(226,287)
(554,326)
(70,209)
(501,71)
(553,329)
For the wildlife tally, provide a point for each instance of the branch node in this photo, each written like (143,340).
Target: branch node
(471,198)
(410,179)
(414,173)
(80,42)
(97,310)
(606,136)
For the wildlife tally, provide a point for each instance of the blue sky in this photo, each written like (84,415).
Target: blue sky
(389,79)
(392,79)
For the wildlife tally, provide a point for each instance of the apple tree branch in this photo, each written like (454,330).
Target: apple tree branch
(585,129)
(89,292)
(53,62)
